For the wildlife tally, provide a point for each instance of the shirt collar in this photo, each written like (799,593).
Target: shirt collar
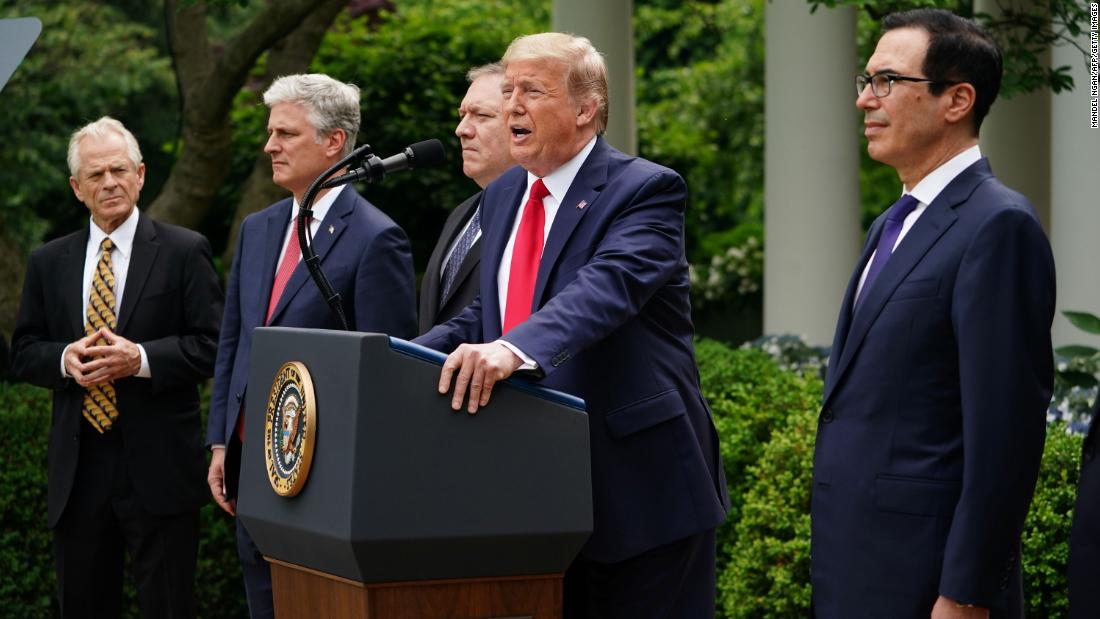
(930,186)
(122,237)
(559,181)
(320,206)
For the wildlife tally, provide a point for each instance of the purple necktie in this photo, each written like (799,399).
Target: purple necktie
(895,217)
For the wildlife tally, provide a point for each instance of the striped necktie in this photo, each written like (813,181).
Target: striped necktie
(100,400)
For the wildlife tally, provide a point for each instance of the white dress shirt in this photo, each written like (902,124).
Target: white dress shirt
(557,184)
(925,192)
(123,239)
(320,210)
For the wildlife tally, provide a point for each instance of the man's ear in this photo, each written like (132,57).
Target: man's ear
(586,112)
(334,142)
(960,102)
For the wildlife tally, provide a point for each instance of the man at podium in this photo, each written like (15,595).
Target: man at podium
(313,123)
(585,286)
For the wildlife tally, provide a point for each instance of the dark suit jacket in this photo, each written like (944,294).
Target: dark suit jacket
(171,306)
(366,256)
(1084,539)
(934,412)
(611,324)
(433,308)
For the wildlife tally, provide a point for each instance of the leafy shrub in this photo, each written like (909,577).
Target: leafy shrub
(29,586)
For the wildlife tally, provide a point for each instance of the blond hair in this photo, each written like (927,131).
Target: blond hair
(585,70)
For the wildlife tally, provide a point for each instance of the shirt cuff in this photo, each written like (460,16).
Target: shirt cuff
(216,446)
(144,371)
(528,362)
(64,374)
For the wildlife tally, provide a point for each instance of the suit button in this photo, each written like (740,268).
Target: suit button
(238,398)
(827,415)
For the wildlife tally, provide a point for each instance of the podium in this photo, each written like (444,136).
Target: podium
(410,509)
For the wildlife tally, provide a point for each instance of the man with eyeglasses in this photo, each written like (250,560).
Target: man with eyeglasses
(933,419)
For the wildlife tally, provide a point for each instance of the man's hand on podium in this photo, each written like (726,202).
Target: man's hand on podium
(479,367)
(215,478)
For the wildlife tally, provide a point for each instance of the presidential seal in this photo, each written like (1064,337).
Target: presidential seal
(290,427)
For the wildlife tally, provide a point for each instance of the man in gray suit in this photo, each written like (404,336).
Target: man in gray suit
(451,280)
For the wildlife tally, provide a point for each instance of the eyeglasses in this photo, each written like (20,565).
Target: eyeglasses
(881,83)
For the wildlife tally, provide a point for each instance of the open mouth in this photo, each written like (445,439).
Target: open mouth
(520,131)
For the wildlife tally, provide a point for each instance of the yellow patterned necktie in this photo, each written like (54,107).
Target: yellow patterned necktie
(99,400)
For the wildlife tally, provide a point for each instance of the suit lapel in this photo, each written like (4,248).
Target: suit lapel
(450,231)
(72,284)
(496,228)
(938,217)
(580,199)
(335,221)
(142,256)
(844,321)
(277,221)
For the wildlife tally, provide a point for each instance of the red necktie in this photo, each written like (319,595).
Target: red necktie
(286,268)
(291,255)
(526,253)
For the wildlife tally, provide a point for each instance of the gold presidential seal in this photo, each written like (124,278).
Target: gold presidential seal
(290,427)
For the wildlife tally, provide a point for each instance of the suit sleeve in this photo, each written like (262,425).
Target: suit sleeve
(638,254)
(35,355)
(1002,308)
(187,357)
(385,288)
(463,328)
(228,340)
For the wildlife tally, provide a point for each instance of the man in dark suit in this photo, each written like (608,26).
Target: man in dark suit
(1084,539)
(120,320)
(933,420)
(585,286)
(313,123)
(451,280)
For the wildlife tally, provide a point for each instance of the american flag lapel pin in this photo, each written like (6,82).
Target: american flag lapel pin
(582,204)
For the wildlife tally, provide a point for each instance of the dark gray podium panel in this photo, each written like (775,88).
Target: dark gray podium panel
(403,488)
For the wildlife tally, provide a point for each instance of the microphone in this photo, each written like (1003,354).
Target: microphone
(420,155)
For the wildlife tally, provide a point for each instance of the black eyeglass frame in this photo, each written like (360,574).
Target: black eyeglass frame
(863,80)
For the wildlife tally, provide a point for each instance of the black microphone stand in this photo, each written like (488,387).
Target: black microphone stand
(305,237)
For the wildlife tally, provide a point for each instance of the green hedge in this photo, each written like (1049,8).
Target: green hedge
(766,418)
(28,586)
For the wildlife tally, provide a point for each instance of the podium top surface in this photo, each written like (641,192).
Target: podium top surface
(520,383)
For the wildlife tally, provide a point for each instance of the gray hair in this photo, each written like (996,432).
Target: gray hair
(493,68)
(585,71)
(100,129)
(329,104)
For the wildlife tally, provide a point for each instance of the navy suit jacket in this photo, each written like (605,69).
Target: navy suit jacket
(1084,540)
(365,255)
(434,306)
(934,412)
(611,324)
(171,306)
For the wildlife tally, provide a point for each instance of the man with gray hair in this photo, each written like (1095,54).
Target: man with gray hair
(120,321)
(451,278)
(584,285)
(312,124)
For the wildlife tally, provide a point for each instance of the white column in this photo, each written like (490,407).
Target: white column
(811,167)
(609,25)
(1016,135)
(1075,197)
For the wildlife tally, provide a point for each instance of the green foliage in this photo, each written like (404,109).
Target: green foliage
(1045,540)
(768,574)
(750,397)
(700,107)
(90,60)
(734,276)
(29,586)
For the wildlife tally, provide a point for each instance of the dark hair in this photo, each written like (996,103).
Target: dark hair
(959,50)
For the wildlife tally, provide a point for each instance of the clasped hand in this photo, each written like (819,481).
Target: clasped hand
(101,357)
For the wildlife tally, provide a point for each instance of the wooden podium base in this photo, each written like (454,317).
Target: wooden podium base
(302,592)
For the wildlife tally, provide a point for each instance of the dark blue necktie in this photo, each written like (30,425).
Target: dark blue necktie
(462,247)
(895,218)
